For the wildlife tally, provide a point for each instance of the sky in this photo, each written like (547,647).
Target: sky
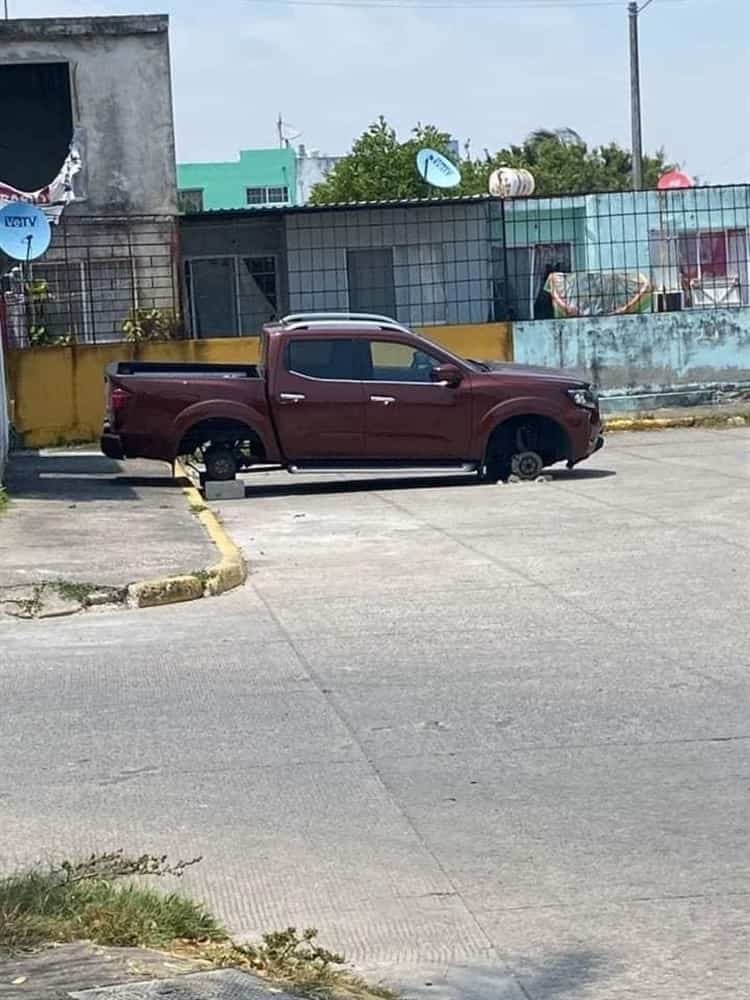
(488,74)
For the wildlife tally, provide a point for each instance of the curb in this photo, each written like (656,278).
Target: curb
(647,423)
(229,572)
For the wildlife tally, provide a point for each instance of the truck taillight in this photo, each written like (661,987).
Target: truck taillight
(117,399)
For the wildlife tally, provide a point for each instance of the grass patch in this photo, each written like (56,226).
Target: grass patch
(88,901)
(98,900)
(4,500)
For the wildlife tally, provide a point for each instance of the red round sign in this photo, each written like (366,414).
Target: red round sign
(675,179)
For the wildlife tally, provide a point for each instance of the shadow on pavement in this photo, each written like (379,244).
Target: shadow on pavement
(325,488)
(76,478)
(563,976)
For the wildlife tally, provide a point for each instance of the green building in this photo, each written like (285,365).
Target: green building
(259,178)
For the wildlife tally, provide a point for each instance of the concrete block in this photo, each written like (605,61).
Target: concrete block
(232,489)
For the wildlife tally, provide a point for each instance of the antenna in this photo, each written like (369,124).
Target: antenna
(286,139)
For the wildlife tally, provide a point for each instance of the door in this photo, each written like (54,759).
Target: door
(212,296)
(371,283)
(408,417)
(318,401)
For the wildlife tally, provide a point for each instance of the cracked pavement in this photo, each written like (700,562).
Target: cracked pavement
(493,739)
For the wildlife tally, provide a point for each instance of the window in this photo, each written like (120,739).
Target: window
(190,200)
(325,359)
(393,362)
(701,269)
(268,195)
(38,115)
(371,284)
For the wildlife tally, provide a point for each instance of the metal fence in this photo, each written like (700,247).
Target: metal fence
(624,252)
(102,280)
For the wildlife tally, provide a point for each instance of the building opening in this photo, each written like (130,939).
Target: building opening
(37,119)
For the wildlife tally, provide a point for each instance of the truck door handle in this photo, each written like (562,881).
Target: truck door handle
(385,400)
(291,397)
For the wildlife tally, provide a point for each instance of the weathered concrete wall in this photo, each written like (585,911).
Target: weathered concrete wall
(58,392)
(122,104)
(650,351)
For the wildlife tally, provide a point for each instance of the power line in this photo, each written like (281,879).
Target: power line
(493,5)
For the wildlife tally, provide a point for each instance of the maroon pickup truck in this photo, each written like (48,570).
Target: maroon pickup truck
(351,391)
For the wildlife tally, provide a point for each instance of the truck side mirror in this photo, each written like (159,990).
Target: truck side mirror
(448,375)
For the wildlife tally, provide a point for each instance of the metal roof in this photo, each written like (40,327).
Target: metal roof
(340,206)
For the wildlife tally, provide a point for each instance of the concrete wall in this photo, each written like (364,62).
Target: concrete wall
(58,392)
(312,169)
(651,351)
(122,104)
(441,259)
(225,185)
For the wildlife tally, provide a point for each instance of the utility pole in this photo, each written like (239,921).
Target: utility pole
(635,98)
(6,9)
(635,93)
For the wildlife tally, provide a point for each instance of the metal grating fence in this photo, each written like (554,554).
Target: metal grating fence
(624,252)
(102,280)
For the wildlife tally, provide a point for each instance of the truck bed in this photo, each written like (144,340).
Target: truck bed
(182,370)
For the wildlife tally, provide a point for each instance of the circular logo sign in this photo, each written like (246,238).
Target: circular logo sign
(437,169)
(25,231)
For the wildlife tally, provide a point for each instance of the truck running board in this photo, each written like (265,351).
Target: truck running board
(436,470)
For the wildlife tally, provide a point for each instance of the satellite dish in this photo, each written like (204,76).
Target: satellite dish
(675,179)
(25,232)
(437,169)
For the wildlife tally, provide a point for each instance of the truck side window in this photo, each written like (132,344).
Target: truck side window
(324,359)
(393,362)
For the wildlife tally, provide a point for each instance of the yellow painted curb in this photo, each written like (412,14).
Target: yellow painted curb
(229,572)
(665,423)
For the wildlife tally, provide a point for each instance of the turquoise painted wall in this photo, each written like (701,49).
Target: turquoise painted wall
(618,225)
(225,184)
(611,231)
(659,351)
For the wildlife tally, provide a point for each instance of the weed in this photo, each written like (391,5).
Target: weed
(293,960)
(4,501)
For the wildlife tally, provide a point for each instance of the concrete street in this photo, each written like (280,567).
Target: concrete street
(495,739)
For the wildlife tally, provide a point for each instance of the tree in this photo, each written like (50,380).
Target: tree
(381,168)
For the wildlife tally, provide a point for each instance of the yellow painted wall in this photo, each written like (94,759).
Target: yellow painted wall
(57,393)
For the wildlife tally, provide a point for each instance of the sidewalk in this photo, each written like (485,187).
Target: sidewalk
(83,970)
(82,527)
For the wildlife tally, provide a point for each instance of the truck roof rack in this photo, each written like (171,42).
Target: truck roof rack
(371,321)
(305,317)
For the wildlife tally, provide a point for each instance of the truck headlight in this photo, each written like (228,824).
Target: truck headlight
(584,397)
